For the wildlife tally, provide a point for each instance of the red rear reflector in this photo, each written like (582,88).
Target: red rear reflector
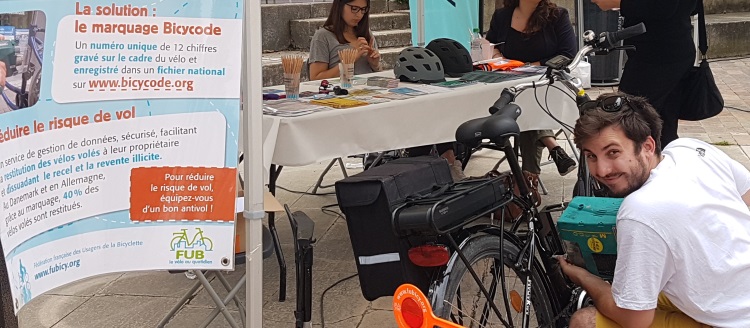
(429,255)
(412,313)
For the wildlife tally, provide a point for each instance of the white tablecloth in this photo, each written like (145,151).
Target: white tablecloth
(422,120)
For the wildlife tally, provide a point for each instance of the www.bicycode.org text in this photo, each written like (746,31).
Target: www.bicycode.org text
(131,84)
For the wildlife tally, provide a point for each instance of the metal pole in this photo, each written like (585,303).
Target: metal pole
(579,22)
(252,84)
(420,23)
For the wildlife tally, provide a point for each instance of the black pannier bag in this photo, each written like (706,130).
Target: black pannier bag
(368,200)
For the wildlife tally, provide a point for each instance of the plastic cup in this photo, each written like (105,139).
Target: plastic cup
(291,85)
(346,74)
(487,49)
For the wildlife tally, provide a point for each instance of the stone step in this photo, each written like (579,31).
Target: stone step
(728,35)
(276,19)
(393,38)
(725,6)
(273,74)
(302,30)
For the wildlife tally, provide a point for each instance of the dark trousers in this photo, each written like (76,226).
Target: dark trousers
(427,149)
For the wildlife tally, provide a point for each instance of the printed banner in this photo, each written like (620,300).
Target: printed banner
(118,133)
(453,19)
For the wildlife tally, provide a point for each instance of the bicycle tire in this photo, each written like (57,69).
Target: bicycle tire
(487,247)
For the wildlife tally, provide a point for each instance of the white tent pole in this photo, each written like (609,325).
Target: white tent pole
(420,23)
(252,84)
(579,22)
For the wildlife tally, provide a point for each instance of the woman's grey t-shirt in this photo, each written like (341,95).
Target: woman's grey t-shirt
(324,48)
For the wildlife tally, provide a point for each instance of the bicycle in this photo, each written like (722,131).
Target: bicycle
(28,93)
(521,283)
(181,238)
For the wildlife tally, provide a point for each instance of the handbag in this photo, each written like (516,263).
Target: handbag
(701,97)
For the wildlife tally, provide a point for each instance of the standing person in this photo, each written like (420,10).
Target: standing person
(347,26)
(534,31)
(662,57)
(683,229)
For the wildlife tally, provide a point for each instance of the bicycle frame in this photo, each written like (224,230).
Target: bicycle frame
(541,239)
(34,49)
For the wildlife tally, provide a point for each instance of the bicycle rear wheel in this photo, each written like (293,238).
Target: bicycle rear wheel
(460,300)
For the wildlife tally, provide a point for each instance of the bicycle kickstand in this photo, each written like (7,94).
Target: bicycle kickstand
(302,230)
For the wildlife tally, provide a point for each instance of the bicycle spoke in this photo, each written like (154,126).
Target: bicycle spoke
(458,301)
(473,274)
(501,284)
(493,290)
(488,279)
(472,309)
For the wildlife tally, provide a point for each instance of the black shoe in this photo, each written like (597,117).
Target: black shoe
(564,163)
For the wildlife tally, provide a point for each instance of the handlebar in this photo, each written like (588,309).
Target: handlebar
(505,98)
(607,41)
(610,39)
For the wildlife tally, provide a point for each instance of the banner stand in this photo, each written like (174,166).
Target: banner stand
(252,121)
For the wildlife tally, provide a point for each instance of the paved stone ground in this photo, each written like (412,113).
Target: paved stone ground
(141,299)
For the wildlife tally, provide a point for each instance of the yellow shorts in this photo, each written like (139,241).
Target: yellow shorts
(667,315)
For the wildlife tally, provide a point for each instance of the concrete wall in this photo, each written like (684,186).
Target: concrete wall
(727,35)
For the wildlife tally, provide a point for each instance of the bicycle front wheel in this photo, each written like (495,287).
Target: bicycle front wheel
(459,298)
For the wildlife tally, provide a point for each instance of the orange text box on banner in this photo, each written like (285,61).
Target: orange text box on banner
(182,193)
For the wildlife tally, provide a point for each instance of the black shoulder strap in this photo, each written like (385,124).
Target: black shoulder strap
(702,43)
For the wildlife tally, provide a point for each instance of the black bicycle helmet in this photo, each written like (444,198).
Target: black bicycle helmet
(416,64)
(454,56)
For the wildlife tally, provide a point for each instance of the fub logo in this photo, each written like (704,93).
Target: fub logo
(188,248)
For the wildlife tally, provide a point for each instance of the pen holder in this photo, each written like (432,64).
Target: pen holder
(346,73)
(291,85)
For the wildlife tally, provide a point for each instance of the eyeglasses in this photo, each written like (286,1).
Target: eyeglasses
(357,10)
(608,104)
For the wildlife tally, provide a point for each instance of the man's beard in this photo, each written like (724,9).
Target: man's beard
(635,179)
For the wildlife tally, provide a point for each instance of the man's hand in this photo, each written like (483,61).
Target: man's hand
(601,292)
(574,272)
(607,4)
(3,71)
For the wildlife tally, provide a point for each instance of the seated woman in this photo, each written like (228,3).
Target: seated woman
(534,31)
(347,26)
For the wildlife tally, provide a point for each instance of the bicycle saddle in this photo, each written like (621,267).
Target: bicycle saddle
(500,125)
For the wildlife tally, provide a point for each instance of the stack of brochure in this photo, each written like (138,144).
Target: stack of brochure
(382,81)
(291,108)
